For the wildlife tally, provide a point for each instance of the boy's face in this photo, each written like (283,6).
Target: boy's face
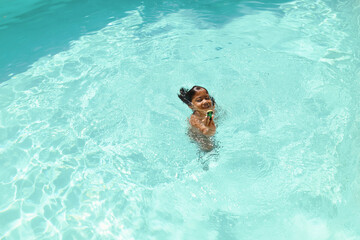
(201,101)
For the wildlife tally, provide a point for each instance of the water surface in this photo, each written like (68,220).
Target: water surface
(93,141)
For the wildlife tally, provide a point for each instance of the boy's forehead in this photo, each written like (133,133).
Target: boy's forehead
(201,92)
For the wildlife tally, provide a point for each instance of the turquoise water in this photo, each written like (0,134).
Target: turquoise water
(93,140)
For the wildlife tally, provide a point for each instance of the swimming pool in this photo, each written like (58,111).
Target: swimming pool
(93,140)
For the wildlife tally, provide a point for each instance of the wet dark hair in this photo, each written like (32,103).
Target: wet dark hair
(186,95)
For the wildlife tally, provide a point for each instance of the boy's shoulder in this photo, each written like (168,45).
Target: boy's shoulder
(194,120)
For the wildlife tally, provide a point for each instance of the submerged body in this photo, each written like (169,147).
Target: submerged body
(205,143)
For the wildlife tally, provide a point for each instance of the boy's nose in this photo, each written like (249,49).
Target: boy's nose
(206,104)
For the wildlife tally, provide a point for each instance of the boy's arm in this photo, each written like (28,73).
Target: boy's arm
(206,130)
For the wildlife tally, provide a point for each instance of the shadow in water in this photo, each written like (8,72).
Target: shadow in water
(216,12)
(47,27)
(207,157)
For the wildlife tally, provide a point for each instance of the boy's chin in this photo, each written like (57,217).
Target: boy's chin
(206,109)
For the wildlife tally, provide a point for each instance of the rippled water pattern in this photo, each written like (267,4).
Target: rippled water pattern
(93,140)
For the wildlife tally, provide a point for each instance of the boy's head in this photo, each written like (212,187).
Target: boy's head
(196,97)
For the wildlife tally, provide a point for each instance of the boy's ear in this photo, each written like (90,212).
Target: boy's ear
(191,106)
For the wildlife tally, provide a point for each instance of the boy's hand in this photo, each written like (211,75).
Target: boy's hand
(209,117)
(208,121)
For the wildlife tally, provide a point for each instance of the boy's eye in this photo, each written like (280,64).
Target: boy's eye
(198,100)
(207,98)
